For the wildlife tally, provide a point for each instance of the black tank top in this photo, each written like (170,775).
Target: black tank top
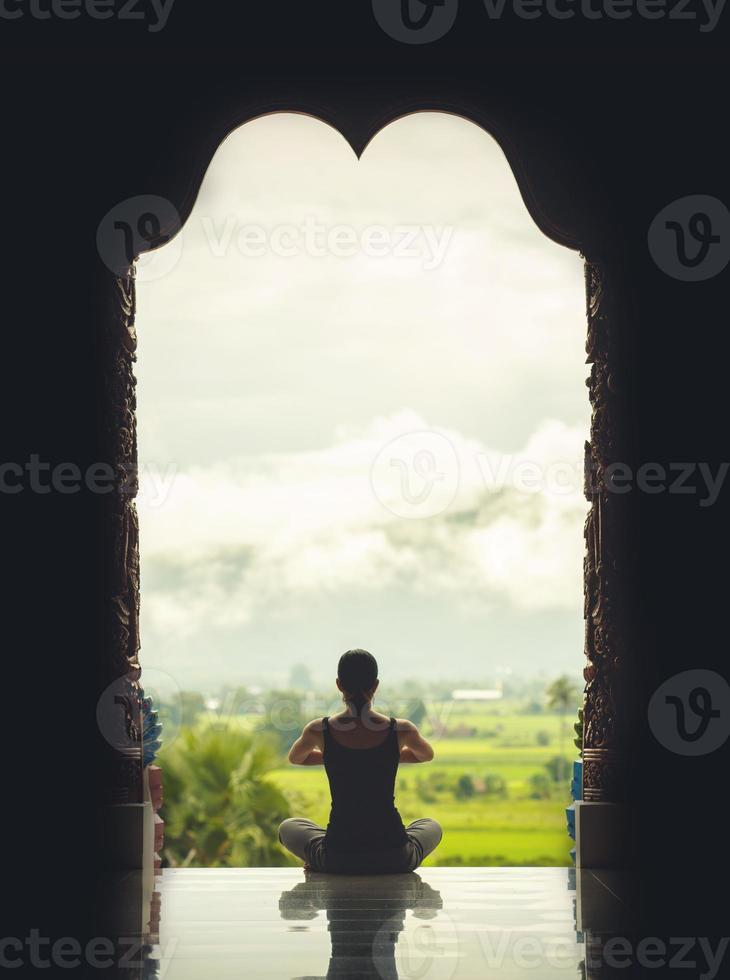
(362,785)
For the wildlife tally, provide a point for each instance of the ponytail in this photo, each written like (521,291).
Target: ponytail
(358,700)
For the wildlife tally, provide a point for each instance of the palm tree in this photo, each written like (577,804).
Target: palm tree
(220,809)
(561,697)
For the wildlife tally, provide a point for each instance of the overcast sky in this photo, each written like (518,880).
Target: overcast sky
(361,414)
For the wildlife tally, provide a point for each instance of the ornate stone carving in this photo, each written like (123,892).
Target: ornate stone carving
(121,534)
(605,737)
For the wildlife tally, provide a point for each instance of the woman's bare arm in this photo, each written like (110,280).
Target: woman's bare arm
(413,746)
(308,748)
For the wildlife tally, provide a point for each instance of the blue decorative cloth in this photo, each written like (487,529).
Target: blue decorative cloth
(576,786)
(570,817)
(576,792)
(151,730)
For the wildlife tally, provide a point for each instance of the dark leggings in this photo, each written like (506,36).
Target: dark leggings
(305,839)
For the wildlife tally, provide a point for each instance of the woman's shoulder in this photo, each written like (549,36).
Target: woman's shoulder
(404,725)
(316,725)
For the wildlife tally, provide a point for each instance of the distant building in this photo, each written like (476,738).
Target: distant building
(476,695)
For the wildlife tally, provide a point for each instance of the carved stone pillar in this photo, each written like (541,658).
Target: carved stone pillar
(119,713)
(607,711)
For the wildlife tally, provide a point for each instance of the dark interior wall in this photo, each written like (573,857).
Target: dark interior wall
(604,123)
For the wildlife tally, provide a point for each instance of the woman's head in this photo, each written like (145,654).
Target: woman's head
(357,677)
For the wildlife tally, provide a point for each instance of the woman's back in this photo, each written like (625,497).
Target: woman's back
(361,761)
(360,750)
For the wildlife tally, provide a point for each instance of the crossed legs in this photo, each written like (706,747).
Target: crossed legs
(298,835)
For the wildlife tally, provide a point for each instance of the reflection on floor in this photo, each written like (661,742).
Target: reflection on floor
(436,924)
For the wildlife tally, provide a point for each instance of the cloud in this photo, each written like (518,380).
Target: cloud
(265,532)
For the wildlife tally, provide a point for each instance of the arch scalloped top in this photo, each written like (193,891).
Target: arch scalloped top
(557,193)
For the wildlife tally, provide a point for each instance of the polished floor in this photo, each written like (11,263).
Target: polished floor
(435,924)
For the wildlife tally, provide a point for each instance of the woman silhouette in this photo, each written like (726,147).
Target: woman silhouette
(360,750)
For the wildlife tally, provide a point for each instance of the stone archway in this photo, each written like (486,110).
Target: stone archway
(609,715)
